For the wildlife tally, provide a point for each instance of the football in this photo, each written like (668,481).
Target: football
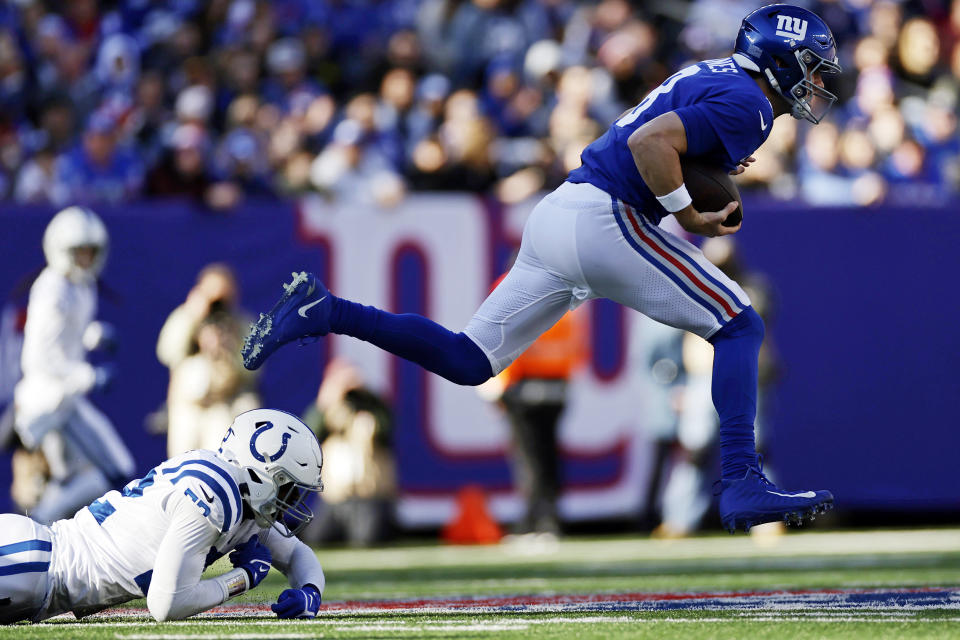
(712,189)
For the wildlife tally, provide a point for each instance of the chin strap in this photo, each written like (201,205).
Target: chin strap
(773,81)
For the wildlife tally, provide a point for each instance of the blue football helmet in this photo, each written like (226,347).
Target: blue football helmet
(788,45)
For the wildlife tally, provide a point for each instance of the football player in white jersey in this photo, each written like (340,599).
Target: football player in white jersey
(156,536)
(52,413)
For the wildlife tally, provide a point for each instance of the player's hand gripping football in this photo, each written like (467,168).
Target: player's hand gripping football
(708,223)
(254,558)
(298,603)
(742,166)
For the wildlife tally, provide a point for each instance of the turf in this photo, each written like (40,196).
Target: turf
(884,584)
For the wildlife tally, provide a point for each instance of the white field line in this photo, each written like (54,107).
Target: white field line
(450,627)
(216,636)
(841,619)
(518,624)
(783,610)
(814,544)
(807,614)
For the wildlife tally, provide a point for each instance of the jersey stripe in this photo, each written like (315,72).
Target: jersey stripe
(228,480)
(26,545)
(633,237)
(697,282)
(658,234)
(231,483)
(24,567)
(136,490)
(217,490)
(101,510)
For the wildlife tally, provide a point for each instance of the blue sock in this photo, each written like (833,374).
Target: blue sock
(734,390)
(451,355)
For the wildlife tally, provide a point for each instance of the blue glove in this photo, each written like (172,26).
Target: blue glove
(298,603)
(105,374)
(254,558)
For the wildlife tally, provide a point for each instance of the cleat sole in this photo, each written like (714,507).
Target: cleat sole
(791,518)
(253,343)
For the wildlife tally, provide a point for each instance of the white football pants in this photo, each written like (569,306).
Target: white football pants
(89,431)
(579,243)
(24,561)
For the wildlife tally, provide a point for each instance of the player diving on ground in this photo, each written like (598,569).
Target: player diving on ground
(597,236)
(156,536)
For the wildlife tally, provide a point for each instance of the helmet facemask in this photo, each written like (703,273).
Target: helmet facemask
(291,503)
(279,502)
(810,101)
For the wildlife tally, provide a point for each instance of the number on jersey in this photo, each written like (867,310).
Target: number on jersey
(204,507)
(664,88)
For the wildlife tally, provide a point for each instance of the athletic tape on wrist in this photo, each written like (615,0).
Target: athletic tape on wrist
(676,200)
(236,581)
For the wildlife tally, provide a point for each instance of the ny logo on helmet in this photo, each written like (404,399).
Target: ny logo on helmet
(790,27)
(265,426)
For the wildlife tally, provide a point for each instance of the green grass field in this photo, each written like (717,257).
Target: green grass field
(884,584)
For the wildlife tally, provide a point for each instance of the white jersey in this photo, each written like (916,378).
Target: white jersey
(53,360)
(157,535)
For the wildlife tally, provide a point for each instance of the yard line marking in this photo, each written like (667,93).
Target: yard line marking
(218,636)
(825,547)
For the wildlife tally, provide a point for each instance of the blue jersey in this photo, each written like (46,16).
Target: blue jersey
(725,114)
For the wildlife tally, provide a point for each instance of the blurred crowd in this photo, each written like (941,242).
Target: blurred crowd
(365,100)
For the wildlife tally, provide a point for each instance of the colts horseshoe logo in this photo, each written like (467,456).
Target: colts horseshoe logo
(265,426)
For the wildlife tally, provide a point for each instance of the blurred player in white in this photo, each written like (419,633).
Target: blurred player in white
(156,536)
(84,452)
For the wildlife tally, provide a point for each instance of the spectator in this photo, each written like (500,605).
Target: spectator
(200,344)
(14,87)
(149,116)
(118,64)
(547,75)
(288,86)
(352,172)
(353,424)
(533,393)
(37,182)
(57,128)
(240,161)
(195,105)
(183,169)
(99,170)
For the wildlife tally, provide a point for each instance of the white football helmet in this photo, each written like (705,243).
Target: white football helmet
(280,459)
(71,229)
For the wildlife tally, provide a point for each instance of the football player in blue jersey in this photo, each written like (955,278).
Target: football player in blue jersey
(154,538)
(597,235)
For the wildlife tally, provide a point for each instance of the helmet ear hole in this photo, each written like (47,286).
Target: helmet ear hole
(254,476)
(780,62)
